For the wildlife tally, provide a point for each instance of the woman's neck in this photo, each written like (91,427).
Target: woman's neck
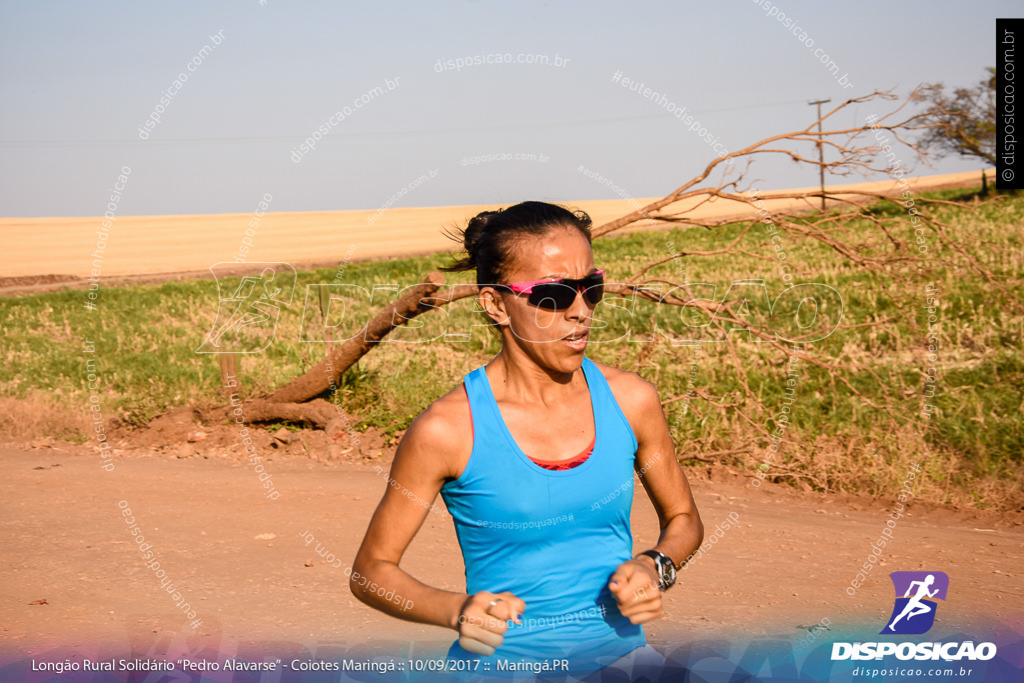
(519,378)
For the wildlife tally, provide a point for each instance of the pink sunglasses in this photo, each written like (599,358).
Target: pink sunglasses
(559,294)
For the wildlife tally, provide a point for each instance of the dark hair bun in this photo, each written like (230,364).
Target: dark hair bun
(474,233)
(489,236)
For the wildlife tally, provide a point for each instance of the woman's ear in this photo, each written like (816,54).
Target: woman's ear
(493,305)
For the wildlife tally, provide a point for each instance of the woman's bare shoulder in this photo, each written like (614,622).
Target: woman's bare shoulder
(442,433)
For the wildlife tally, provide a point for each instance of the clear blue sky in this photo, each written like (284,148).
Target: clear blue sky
(78,79)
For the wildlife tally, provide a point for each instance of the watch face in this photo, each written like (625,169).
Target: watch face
(668,573)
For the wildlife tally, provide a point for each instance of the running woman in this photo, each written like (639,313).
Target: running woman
(534,455)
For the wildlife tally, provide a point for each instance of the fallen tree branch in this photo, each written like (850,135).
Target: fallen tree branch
(325,374)
(316,413)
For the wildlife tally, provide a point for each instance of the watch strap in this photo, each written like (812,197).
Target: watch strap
(661,560)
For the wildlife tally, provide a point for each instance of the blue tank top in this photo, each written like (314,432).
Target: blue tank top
(552,538)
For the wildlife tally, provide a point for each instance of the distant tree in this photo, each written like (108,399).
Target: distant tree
(965,120)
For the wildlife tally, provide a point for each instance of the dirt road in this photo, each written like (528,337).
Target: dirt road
(241,559)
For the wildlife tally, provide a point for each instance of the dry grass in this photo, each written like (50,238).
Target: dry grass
(40,415)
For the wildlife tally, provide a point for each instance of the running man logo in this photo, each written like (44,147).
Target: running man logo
(914,611)
(247,318)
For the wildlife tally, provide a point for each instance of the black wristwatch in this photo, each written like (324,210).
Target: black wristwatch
(666,568)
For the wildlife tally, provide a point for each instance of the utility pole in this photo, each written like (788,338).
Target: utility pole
(821,151)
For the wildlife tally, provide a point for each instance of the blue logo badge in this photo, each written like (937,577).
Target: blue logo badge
(916,593)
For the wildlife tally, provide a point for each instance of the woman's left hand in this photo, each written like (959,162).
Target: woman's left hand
(634,585)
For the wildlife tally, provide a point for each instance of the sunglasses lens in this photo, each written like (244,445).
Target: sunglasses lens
(594,288)
(558,296)
(554,296)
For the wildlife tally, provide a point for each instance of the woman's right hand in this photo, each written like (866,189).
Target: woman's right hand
(484,620)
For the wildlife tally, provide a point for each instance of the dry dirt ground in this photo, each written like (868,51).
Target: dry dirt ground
(242,562)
